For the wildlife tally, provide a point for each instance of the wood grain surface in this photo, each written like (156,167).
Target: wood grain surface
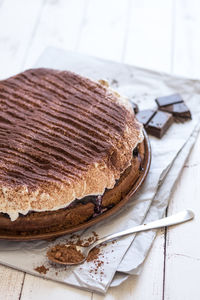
(157,34)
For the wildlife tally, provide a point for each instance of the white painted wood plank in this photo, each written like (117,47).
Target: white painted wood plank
(104,29)
(10,283)
(1,2)
(187,38)
(183,242)
(36,288)
(17,22)
(182,248)
(148,285)
(150,34)
(59,26)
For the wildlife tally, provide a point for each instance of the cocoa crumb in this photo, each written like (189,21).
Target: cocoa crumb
(99,263)
(85,242)
(95,234)
(74,236)
(41,269)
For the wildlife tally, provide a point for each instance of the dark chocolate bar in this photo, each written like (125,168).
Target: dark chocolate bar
(167,100)
(159,124)
(145,116)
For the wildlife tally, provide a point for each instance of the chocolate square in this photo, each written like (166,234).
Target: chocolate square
(159,124)
(178,110)
(167,100)
(145,116)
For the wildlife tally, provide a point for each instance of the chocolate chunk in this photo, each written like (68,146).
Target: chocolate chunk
(178,110)
(167,100)
(135,107)
(145,116)
(159,124)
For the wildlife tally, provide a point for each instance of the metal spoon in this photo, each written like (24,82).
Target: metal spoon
(180,217)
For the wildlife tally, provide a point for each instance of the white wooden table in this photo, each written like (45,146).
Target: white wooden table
(157,34)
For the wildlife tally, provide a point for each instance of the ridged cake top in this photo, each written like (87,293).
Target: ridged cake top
(57,131)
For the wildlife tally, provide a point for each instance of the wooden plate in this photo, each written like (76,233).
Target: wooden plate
(136,185)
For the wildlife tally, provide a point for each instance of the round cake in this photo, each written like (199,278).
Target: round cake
(70,148)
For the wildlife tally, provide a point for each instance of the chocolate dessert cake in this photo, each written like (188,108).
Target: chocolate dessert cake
(70,148)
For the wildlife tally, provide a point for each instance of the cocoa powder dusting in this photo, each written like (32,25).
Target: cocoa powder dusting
(41,269)
(70,254)
(65,254)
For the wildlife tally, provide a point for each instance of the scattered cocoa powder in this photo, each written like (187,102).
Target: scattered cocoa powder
(95,234)
(41,269)
(75,239)
(68,254)
(88,241)
(94,253)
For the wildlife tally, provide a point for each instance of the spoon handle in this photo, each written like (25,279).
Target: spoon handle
(180,217)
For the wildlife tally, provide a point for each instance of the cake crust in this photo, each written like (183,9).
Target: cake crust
(62,137)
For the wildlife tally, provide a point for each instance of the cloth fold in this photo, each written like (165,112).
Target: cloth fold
(127,255)
(144,240)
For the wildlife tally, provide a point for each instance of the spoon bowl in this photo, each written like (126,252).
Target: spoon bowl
(83,250)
